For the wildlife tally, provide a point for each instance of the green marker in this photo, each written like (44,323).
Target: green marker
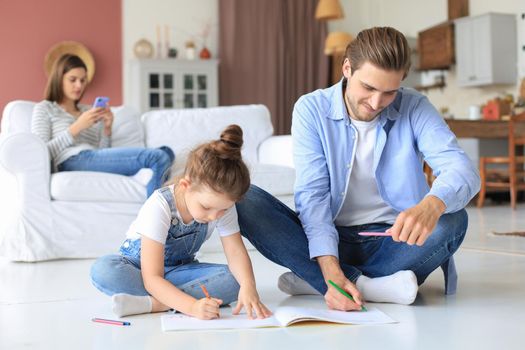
(342,291)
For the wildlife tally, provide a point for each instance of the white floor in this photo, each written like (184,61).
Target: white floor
(49,305)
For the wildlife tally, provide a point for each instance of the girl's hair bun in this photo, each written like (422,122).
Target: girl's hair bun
(219,165)
(230,144)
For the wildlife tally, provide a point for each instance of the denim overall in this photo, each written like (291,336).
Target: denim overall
(182,243)
(121,273)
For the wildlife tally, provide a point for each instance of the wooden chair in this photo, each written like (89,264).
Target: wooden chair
(513,176)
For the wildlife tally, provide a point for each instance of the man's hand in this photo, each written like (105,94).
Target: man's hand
(415,224)
(334,299)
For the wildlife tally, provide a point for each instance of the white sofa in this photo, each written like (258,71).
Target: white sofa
(86,214)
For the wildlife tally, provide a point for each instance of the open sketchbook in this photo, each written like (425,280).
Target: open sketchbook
(283,316)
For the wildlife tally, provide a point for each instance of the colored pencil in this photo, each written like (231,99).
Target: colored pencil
(374,234)
(205,291)
(113,322)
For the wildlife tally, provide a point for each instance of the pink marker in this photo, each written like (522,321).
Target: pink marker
(374,234)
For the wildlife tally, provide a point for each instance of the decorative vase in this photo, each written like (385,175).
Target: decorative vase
(190,50)
(143,49)
(205,53)
(172,52)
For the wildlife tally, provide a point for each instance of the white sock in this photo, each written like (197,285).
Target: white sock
(399,288)
(143,176)
(290,284)
(127,304)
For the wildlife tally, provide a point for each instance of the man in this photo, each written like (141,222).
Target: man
(358,152)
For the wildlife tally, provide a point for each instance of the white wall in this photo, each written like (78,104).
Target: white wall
(408,16)
(186,19)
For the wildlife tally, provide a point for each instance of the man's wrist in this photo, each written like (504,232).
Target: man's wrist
(330,267)
(437,204)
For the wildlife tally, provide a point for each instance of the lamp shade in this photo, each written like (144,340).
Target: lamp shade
(336,42)
(328,9)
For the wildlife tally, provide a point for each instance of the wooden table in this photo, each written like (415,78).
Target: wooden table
(479,129)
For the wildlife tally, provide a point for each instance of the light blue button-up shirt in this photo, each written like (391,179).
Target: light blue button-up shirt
(409,131)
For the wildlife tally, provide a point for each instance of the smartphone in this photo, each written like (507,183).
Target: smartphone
(101,101)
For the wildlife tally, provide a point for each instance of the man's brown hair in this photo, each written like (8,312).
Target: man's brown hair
(384,47)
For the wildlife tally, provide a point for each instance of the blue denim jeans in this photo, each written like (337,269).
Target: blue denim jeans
(124,161)
(121,273)
(276,231)
(116,273)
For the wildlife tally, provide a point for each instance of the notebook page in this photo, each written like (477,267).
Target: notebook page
(180,322)
(287,315)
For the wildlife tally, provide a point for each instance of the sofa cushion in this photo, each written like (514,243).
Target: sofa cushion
(88,186)
(127,128)
(183,129)
(275,179)
(16,117)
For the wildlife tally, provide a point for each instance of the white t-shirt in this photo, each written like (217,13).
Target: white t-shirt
(154,220)
(363,204)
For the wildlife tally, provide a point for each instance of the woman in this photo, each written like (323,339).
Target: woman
(79,136)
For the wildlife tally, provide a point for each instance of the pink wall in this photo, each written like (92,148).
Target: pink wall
(28,28)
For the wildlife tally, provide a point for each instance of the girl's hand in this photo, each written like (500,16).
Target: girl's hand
(206,308)
(107,117)
(86,120)
(249,299)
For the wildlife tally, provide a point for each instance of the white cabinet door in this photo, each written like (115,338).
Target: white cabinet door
(464,52)
(171,83)
(521,41)
(159,90)
(482,49)
(486,49)
(196,89)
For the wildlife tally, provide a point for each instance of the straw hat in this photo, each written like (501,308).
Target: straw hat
(71,47)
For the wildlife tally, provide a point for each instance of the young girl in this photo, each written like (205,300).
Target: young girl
(78,136)
(157,270)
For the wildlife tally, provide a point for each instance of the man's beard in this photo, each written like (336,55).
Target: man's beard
(355,111)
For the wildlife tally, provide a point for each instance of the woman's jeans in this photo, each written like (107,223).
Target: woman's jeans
(276,231)
(113,274)
(124,161)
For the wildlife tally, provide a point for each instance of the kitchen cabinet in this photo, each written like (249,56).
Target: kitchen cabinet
(485,48)
(436,47)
